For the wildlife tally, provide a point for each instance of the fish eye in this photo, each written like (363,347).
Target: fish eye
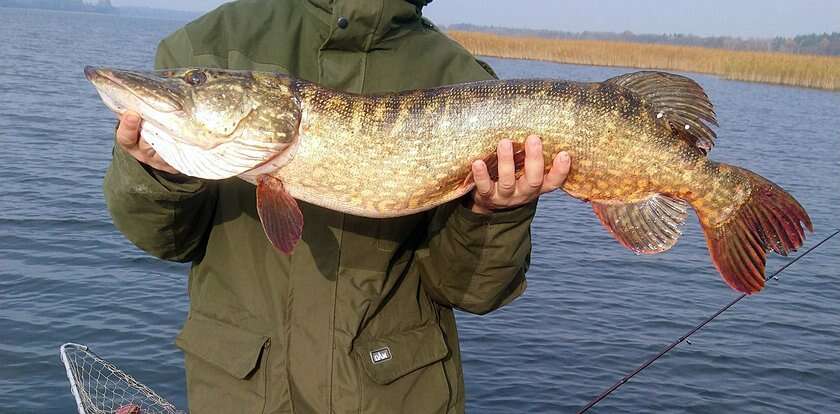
(195,77)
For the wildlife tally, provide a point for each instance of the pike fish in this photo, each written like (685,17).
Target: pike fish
(638,144)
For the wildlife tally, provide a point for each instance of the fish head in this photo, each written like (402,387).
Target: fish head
(208,123)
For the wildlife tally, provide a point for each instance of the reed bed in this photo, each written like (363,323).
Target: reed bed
(811,71)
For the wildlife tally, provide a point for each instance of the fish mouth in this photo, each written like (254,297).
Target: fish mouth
(117,90)
(119,87)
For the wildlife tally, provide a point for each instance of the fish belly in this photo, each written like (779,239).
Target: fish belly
(625,167)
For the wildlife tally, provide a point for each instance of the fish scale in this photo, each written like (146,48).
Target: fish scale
(638,144)
(428,157)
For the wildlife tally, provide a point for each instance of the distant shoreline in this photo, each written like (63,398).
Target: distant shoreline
(79,10)
(123,11)
(101,6)
(810,71)
(780,68)
(825,44)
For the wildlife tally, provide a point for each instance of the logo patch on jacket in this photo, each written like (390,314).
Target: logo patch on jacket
(380,355)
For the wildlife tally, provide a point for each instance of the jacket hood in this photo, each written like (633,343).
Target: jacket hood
(359,25)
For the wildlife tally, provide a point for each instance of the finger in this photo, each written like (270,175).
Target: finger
(145,148)
(507,169)
(483,183)
(534,164)
(559,171)
(129,130)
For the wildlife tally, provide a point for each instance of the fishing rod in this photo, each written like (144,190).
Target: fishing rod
(626,378)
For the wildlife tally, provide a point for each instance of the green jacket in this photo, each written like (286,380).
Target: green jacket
(360,317)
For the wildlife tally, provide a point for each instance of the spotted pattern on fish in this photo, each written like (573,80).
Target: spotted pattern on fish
(411,150)
(638,144)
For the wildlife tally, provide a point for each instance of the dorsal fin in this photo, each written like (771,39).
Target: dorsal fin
(677,100)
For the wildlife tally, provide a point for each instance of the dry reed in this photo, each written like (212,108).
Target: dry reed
(822,72)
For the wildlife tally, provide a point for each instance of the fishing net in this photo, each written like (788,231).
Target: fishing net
(100,387)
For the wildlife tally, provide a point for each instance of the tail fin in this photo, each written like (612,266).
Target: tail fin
(769,219)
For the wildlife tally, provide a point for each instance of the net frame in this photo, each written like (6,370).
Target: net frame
(99,387)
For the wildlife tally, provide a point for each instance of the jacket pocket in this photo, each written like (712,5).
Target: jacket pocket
(405,370)
(225,364)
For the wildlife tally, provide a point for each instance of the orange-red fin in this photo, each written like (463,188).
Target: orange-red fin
(279,213)
(648,226)
(770,219)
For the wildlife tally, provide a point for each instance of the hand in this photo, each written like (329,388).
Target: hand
(129,139)
(508,191)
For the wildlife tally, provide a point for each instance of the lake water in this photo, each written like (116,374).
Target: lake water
(592,312)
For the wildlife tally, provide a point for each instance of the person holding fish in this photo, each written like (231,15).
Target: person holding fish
(417,198)
(358,317)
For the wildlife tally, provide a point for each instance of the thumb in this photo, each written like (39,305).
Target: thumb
(128,133)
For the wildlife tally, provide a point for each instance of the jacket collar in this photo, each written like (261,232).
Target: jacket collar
(368,22)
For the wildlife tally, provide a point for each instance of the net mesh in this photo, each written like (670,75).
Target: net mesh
(100,387)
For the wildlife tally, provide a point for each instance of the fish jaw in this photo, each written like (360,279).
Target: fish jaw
(236,157)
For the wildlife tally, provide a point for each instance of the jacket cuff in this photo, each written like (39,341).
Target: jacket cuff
(514,215)
(141,175)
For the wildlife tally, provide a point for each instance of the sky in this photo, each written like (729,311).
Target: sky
(744,18)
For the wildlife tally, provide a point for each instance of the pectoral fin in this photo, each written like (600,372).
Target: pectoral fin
(279,213)
(648,226)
